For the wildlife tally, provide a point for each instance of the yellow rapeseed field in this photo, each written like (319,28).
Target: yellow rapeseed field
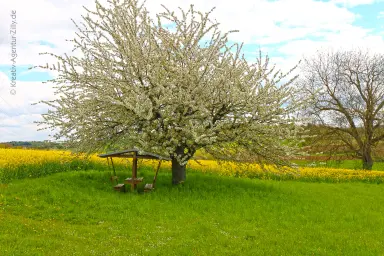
(301,173)
(15,157)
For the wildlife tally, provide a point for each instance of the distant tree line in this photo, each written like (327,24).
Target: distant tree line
(320,143)
(33,144)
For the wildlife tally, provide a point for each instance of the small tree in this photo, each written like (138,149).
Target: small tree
(347,91)
(172,87)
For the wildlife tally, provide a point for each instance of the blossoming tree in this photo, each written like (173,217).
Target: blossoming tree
(170,85)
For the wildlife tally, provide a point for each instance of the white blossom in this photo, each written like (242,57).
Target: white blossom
(139,83)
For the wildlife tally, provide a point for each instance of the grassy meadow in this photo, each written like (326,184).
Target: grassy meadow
(68,207)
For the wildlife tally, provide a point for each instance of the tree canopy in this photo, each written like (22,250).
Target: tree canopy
(169,85)
(347,92)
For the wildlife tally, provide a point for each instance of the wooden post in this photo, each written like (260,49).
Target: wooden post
(114,171)
(157,171)
(134,170)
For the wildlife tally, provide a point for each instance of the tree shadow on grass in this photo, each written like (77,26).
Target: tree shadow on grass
(197,185)
(77,197)
(213,185)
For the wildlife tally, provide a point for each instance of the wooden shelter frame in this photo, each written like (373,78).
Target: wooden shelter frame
(135,154)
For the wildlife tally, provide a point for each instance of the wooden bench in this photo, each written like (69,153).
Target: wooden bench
(119,187)
(150,187)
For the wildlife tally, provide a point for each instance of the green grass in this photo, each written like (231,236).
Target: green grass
(78,213)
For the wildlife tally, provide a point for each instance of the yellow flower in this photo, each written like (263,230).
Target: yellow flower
(16,157)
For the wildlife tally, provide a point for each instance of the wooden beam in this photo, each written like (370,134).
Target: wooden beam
(138,157)
(157,171)
(114,171)
(134,169)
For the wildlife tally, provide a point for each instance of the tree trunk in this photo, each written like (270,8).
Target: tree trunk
(178,172)
(367,159)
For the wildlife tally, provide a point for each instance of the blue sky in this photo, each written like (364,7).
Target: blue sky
(285,29)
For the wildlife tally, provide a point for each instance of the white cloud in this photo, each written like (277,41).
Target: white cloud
(17,115)
(352,3)
(23,132)
(264,21)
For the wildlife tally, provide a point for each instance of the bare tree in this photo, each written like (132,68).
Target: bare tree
(347,93)
(171,86)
